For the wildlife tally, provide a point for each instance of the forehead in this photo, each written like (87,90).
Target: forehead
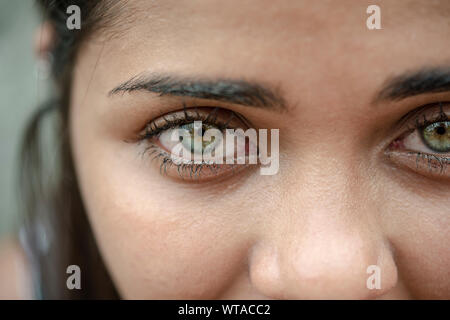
(291,29)
(268,17)
(305,45)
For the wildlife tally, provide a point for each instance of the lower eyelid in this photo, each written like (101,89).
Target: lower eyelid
(189,171)
(423,163)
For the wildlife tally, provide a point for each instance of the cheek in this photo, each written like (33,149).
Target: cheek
(417,226)
(158,257)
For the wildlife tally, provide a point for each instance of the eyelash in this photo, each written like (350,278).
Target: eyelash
(152,130)
(191,169)
(422,122)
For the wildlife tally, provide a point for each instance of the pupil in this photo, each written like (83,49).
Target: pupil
(440,130)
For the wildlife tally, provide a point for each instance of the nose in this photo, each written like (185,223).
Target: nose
(331,249)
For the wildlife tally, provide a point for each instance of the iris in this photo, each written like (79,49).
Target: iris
(193,138)
(437,136)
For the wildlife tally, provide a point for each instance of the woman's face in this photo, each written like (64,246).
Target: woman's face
(364,173)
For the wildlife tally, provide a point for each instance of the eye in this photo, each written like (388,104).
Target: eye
(437,136)
(425,146)
(181,140)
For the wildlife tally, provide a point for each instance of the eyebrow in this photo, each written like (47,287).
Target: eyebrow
(427,80)
(224,90)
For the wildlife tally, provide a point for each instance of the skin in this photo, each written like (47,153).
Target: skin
(337,205)
(14,275)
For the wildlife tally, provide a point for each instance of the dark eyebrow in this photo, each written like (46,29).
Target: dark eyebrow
(428,80)
(225,90)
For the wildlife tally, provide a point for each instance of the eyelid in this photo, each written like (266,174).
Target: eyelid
(216,116)
(423,163)
(424,115)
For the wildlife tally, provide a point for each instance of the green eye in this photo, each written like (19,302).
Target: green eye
(437,136)
(188,140)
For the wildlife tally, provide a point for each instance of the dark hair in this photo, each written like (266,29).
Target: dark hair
(56,227)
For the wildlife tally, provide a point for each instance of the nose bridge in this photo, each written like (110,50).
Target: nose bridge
(329,237)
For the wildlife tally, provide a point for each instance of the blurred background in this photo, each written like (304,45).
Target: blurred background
(23,86)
